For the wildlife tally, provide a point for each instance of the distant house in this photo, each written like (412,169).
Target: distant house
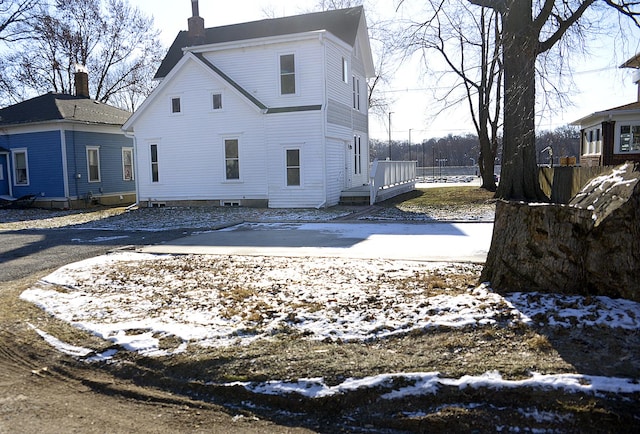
(266,113)
(65,151)
(612,137)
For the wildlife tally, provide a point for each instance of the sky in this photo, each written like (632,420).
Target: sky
(600,83)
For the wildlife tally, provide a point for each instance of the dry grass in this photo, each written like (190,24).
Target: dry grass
(441,197)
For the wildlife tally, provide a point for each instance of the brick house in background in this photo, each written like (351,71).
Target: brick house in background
(612,137)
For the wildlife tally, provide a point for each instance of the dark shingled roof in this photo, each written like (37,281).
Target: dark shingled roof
(54,106)
(342,23)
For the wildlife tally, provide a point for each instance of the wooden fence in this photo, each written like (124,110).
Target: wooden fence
(562,183)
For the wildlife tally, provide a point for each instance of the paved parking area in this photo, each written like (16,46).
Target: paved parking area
(459,242)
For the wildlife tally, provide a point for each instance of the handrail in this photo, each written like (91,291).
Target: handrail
(387,174)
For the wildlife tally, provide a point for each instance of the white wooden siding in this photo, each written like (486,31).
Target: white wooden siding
(262,75)
(335,156)
(191,147)
(302,131)
(191,143)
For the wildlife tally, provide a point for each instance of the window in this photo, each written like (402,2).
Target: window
(127,164)
(231,159)
(357,155)
(93,164)
(629,138)
(217,101)
(175,105)
(356,93)
(293,167)
(154,163)
(287,74)
(345,70)
(20,167)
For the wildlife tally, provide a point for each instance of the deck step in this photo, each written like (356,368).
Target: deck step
(354,200)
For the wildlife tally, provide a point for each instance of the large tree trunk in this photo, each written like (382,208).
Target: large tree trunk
(519,175)
(591,247)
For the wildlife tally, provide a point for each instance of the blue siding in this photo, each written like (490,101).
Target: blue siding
(111,177)
(45,162)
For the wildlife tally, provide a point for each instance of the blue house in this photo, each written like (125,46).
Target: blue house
(66,151)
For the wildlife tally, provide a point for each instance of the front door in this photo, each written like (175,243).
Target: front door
(4,175)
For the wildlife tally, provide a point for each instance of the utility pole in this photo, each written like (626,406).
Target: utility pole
(410,146)
(390,136)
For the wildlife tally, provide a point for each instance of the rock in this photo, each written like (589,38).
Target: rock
(590,246)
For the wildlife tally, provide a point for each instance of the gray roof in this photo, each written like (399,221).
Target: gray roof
(343,23)
(58,107)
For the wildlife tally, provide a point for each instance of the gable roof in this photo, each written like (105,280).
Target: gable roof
(631,108)
(343,23)
(59,107)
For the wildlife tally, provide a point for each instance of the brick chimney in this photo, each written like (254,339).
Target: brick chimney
(81,78)
(196,25)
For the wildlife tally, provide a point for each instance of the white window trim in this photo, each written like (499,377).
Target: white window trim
(617,141)
(26,162)
(151,162)
(592,147)
(357,155)
(224,161)
(345,70)
(355,88)
(286,167)
(88,150)
(179,98)
(124,178)
(222,104)
(296,73)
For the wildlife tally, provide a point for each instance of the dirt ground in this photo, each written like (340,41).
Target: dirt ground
(43,391)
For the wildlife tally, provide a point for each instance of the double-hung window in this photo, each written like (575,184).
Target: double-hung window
(356,93)
(155,174)
(629,138)
(20,167)
(345,70)
(93,163)
(293,167)
(231,159)
(127,164)
(216,101)
(357,155)
(287,74)
(175,105)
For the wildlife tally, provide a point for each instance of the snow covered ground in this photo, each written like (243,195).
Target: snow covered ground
(136,300)
(141,301)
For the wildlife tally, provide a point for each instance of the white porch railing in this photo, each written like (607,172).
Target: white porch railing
(391,178)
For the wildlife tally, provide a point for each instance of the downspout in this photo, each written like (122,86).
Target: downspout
(75,163)
(135,166)
(325,104)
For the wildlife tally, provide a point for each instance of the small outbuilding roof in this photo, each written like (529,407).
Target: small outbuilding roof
(59,107)
(343,23)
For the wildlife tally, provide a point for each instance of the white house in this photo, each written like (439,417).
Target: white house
(265,113)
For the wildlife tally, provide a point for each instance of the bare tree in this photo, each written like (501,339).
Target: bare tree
(116,43)
(469,44)
(529,30)
(13,14)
